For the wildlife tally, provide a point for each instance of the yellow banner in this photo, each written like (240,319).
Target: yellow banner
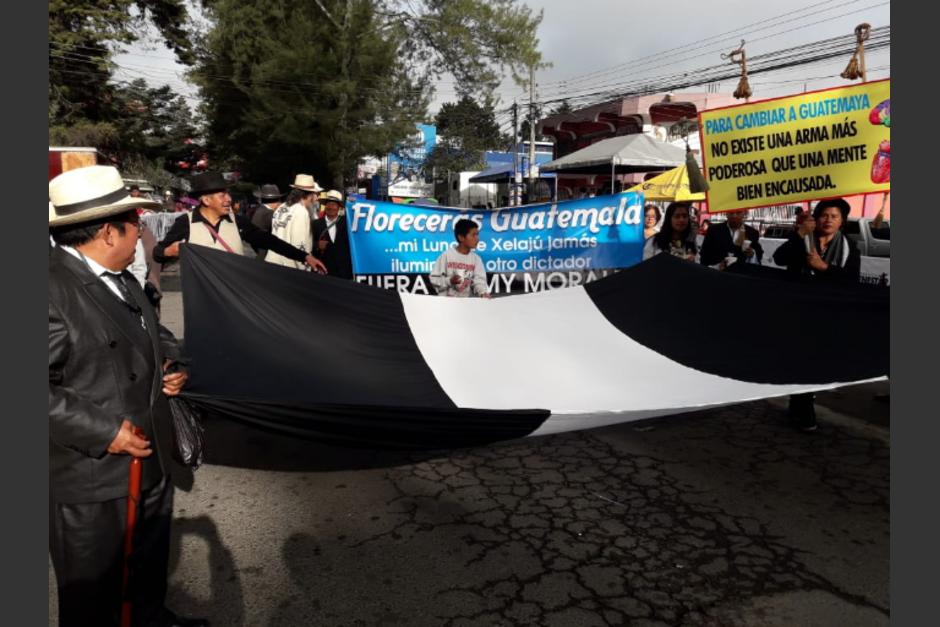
(835,142)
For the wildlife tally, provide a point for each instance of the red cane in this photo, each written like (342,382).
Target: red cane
(133,500)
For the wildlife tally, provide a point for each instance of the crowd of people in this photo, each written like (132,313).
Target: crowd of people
(807,251)
(113,367)
(817,250)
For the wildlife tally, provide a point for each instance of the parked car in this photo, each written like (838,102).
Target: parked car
(778,231)
(872,242)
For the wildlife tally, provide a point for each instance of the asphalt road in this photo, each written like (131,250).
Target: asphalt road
(721,517)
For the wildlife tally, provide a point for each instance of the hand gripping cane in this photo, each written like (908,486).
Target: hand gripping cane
(133,501)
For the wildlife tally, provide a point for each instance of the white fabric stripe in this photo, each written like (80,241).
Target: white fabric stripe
(572,422)
(555,350)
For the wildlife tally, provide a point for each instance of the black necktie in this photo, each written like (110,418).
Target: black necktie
(118,281)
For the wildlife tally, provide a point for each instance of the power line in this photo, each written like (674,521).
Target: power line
(736,32)
(800,55)
(647,66)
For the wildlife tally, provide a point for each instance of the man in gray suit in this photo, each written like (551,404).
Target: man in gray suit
(111,368)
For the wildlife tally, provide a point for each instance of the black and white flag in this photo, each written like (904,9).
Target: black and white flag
(344,362)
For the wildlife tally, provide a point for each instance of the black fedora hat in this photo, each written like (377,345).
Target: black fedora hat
(269,192)
(207,183)
(840,203)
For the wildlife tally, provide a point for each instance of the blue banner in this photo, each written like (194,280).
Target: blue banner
(590,234)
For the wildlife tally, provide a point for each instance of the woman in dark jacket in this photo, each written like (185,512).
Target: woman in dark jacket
(822,251)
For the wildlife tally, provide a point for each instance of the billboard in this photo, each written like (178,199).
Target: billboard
(834,142)
(527,248)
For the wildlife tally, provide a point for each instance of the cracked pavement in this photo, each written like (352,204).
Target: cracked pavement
(719,517)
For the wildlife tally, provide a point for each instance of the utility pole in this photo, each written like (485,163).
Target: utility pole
(531,133)
(513,188)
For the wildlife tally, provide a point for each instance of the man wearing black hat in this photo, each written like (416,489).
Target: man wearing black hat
(111,368)
(271,198)
(212,224)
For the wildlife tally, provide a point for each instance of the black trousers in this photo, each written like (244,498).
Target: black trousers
(86,542)
(802,410)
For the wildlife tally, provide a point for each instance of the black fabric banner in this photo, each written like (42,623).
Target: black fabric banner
(319,357)
(335,360)
(756,325)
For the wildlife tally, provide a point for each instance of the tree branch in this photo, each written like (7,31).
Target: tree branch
(328,16)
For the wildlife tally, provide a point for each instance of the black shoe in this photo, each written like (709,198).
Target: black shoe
(809,428)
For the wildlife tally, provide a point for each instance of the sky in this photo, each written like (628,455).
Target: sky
(596,44)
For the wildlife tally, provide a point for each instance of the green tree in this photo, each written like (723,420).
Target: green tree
(288,91)
(476,41)
(156,125)
(83,35)
(562,108)
(299,86)
(465,130)
(526,121)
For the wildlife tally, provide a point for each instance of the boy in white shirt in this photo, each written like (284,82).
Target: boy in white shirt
(459,271)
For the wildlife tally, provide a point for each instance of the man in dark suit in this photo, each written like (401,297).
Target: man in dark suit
(731,239)
(331,238)
(111,368)
(271,198)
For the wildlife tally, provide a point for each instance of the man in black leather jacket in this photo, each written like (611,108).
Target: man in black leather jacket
(111,368)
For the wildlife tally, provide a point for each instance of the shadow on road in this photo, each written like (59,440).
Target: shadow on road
(226,597)
(236,444)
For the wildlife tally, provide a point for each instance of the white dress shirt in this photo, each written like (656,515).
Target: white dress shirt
(97,268)
(331,228)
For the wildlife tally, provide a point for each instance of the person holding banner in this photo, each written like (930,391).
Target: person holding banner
(820,250)
(331,237)
(676,237)
(291,222)
(213,224)
(112,367)
(730,242)
(459,271)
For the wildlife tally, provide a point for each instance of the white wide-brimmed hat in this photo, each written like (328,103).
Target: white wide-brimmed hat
(306,183)
(90,193)
(331,196)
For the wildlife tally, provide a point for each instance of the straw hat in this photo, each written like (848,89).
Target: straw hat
(306,183)
(90,193)
(331,195)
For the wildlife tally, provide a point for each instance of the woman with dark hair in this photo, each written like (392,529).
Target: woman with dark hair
(651,216)
(819,249)
(676,236)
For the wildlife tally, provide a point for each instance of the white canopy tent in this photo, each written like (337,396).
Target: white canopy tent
(624,154)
